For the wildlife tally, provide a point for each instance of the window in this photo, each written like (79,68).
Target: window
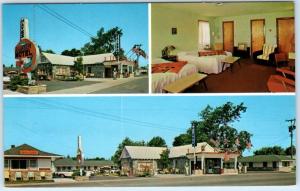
(204,35)
(265,164)
(19,164)
(6,164)
(285,163)
(33,163)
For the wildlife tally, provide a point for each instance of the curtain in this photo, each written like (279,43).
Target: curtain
(204,35)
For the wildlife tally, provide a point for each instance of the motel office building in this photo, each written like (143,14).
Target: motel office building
(136,160)
(55,66)
(25,162)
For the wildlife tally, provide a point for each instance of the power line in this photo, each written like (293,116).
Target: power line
(106,116)
(65,20)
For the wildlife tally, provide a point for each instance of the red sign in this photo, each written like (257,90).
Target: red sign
(26,54)
(29,152)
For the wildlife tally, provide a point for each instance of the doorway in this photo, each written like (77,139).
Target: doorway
(286,34)
(212,166)
(228,36)
(257,34)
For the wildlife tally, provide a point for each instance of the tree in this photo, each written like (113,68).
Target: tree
(288,150)
(96,158)
(214,127)
(164,158)
(182,139)
(49,51)
(157,142)
(275,150)
(126,142)
(78,66)
(104,42)
(73,52)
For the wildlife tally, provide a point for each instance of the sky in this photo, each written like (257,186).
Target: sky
(52,124)
(51,33)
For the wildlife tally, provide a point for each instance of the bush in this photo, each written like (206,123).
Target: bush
(17,81)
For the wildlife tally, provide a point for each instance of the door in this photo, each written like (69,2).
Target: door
(228,36)
(274,165)
(286,35)
(257,34)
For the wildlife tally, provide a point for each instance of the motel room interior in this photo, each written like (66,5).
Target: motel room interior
(223,47)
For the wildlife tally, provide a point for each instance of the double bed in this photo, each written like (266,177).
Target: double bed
(162,78)
(209,64)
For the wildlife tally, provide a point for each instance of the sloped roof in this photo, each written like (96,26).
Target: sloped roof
(142,152)
(181,151)
(25,149)
(71,162)
(58,59)
(265,158)
(98,58)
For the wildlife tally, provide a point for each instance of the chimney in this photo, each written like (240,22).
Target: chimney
(12,146)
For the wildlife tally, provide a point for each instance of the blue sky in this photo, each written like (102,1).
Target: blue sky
(51,33)
(53,123)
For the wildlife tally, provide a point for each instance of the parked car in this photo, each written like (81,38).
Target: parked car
(114,170)
(64,174)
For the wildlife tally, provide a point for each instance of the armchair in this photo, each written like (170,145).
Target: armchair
(266,55)
(280,83)
(241,50)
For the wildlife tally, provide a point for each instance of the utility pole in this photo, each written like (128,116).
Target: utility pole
(291,127)
(194,144)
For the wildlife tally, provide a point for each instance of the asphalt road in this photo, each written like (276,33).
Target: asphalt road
(139,85)
(250,179)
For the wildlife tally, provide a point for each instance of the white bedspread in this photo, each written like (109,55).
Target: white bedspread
(205,64)
(160,80)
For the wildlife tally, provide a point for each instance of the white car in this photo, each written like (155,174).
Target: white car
(6,79)
(64,174)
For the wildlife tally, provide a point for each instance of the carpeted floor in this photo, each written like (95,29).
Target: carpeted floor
(249,77)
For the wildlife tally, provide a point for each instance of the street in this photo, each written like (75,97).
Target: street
(250,179)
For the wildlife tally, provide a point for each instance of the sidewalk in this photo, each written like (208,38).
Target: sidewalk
(106,83)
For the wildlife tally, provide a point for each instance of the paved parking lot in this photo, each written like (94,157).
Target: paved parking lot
(250,179)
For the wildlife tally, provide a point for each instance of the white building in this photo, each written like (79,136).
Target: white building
(55,66)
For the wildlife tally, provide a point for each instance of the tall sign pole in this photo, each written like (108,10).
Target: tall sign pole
(194,145)
(79,157)
(292,127)
(27,54)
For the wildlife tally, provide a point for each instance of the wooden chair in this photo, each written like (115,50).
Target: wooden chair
(43,175)
(281,83)
(18,176)
(31,175)
(6,175)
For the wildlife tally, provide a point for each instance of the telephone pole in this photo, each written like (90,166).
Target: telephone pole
(291,127)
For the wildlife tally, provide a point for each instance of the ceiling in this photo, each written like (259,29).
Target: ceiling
(214,9)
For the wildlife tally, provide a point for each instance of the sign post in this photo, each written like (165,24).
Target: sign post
(194,145)
(27,53)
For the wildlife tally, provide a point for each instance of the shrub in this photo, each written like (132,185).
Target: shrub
(15,81)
